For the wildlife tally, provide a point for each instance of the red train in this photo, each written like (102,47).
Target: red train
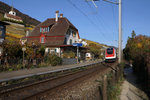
(110,54)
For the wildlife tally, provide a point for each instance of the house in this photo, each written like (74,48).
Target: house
(12,16)
(88,56)
(57,34)
(2,30)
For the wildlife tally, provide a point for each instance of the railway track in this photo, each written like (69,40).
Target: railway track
(40,86)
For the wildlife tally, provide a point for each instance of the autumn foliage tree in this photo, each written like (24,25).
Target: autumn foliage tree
(13,49)
(138,50)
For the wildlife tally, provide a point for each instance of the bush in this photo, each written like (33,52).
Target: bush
(69,54)
(53,60)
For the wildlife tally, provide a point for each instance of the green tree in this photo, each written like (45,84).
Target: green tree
(95,50)
(133,34)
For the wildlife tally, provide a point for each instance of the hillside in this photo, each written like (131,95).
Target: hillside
(14,31)
(26,19)
(92,42)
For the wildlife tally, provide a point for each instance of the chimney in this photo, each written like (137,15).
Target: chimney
(27,32)
(61,15)
(57,12)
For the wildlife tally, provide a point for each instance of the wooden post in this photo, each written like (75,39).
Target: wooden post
(105,87)
(113,77)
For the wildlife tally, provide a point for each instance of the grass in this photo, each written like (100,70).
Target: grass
(114,91)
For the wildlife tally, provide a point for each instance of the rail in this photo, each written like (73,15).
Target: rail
(47,72)
(27,91)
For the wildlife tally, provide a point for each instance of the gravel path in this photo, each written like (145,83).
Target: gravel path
(130,90)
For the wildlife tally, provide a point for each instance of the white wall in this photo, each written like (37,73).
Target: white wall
(12,13)
(88,55)
(70,36)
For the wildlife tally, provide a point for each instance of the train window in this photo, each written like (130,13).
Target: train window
(109,50)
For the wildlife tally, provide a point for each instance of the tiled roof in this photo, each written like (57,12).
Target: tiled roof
(14,17)
(58,30)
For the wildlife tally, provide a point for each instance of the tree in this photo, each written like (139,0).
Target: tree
(12,49)
(138,50)
(133,34)
(95,50)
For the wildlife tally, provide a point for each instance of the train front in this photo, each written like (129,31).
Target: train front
(110,55)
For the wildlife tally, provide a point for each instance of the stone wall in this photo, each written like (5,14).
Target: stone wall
(69,61)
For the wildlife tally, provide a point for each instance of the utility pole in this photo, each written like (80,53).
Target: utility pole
(120,32)
(77,54)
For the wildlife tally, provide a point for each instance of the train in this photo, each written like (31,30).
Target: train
(110,54)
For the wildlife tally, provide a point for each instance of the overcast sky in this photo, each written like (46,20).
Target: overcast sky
(97,24)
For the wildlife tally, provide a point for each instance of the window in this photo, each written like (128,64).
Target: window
(70,41)
(48,50)
(42,39)
(1,30)
(65,42)
(74,34)
(55,50)
(87,54)
(44,29)
(110,51)
(69,32)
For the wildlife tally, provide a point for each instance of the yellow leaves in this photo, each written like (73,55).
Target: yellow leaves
(14,35)
(29,28)
(139,45)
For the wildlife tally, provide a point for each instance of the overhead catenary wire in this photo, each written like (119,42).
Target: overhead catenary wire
(114,27)
(101,20)
(96,18)
(86,17)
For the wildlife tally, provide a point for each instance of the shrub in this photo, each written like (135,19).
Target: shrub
(69,54)
(53,60)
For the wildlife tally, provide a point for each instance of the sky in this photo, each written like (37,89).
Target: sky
(99,24)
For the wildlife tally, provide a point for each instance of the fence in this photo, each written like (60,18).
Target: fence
(109,84)
(7,64)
